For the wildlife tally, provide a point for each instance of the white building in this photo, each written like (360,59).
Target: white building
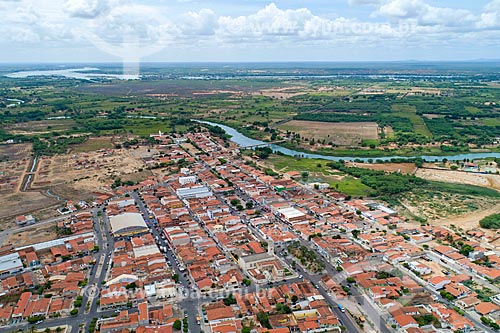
(194,192)
(25,220)
(319,186)
(291,214)
(187,180)
(123,203)
(420,268)
(10,264)
(127,224)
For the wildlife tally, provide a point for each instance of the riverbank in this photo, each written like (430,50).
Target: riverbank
(244,141)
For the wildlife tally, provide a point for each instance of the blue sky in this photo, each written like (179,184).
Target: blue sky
(248,30)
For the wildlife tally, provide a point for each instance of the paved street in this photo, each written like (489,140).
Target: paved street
(190,303)
(97,274)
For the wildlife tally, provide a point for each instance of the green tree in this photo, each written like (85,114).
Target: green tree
(263,319)
(177,325)
(490,222)
(229,300)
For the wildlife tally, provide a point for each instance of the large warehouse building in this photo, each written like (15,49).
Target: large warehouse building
(128,224)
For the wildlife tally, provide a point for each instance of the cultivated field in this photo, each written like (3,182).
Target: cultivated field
(40,126)
(342,134)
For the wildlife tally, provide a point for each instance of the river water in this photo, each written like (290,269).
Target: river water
(244,141)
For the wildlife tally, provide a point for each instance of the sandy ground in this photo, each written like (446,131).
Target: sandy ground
(339,133)
(484,180)
(15,161)
(470,220)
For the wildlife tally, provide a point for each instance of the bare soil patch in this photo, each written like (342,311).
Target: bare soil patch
(40,234)
(86,172)
(23,203)
(14,160)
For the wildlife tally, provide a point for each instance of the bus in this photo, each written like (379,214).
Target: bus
(341,307)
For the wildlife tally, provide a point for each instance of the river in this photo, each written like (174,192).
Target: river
(244,141)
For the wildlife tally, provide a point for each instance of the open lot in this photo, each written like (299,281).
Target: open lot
(343,134)
(41,233)
(75,175)
(14,160)
(25,202)
(437,207)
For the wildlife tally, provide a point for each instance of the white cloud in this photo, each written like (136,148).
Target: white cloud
(491,16)
(85,8)
(425,14)
(75,22)
(363,2)
(269,21)
(203,22)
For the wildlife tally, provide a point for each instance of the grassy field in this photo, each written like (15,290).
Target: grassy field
(287,163)
(491,121)
(409,111)
(320,172)
(351,186)
(92,144)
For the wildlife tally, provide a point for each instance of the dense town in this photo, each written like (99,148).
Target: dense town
(219,245)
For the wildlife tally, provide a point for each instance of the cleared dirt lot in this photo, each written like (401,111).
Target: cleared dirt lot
(23,203)
(75,175)
(14,160)
(40,233)
(339,133)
